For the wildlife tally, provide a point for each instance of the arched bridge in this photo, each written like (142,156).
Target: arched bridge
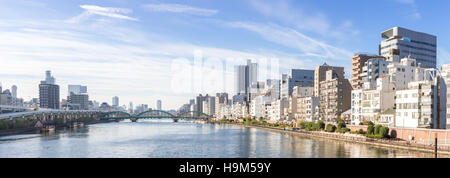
(155,114)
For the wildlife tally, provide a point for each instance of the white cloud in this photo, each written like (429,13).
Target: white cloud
(413,12)
(315,22)
(179,8)
(294,39)
(111,12)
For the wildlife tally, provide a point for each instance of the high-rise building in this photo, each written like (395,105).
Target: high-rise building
(115,101)
(320,75)
(49,93)
(159,105)
(245,75)
(49,79)
(358,63)
(14,92)
(296,77)
(417,45)
(77,89)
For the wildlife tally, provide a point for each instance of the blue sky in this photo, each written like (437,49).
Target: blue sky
(143,51)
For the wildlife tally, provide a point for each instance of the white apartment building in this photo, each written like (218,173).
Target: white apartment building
(445,72)
(258,106)
(307,107)
(374,102)
(277,110)
(372,70)
(420,105)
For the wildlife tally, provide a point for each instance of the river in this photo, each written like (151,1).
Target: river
(166,139)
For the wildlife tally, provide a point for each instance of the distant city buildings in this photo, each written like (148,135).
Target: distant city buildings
(159,105)
(115,101)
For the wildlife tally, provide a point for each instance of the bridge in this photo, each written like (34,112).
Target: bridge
(155,114)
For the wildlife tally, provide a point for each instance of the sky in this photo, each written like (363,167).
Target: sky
(145,50)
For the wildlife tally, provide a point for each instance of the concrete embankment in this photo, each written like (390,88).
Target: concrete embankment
(353,138)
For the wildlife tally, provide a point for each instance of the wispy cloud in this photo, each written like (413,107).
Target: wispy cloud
(111,12)
(413,13)
(315,22)
(294,39)
(180,8)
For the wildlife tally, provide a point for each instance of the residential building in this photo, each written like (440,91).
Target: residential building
(422,105)
(418,45)
(335,95)
(358,62)
(445,72)
(307,108)
(372,70)
(277,110)
(320,75)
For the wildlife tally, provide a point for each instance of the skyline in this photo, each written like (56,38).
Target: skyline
(126,48)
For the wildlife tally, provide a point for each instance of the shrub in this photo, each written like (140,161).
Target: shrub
(309,126)
(361,131)
(370,123)
(384,132)
(377,129)
(341,124)
(320,125)
(330,128)
(370,130)
(354,132)
(343,130)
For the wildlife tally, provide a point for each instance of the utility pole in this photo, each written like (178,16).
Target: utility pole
(435,146)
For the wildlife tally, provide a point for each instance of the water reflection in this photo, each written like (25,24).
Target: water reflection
(164,138)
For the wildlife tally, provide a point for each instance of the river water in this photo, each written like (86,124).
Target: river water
(166,139)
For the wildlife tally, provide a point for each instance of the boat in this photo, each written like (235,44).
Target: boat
(48,128)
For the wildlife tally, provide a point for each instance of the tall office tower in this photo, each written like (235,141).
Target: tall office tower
(320,75)
(14,92)
(199,102)
(49,79)
(445,72)
(77,89)
(296,77)
(49,93)
(159,105)
(131,107)
(245,75)
(418,45)
(358,61)
(115,101)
